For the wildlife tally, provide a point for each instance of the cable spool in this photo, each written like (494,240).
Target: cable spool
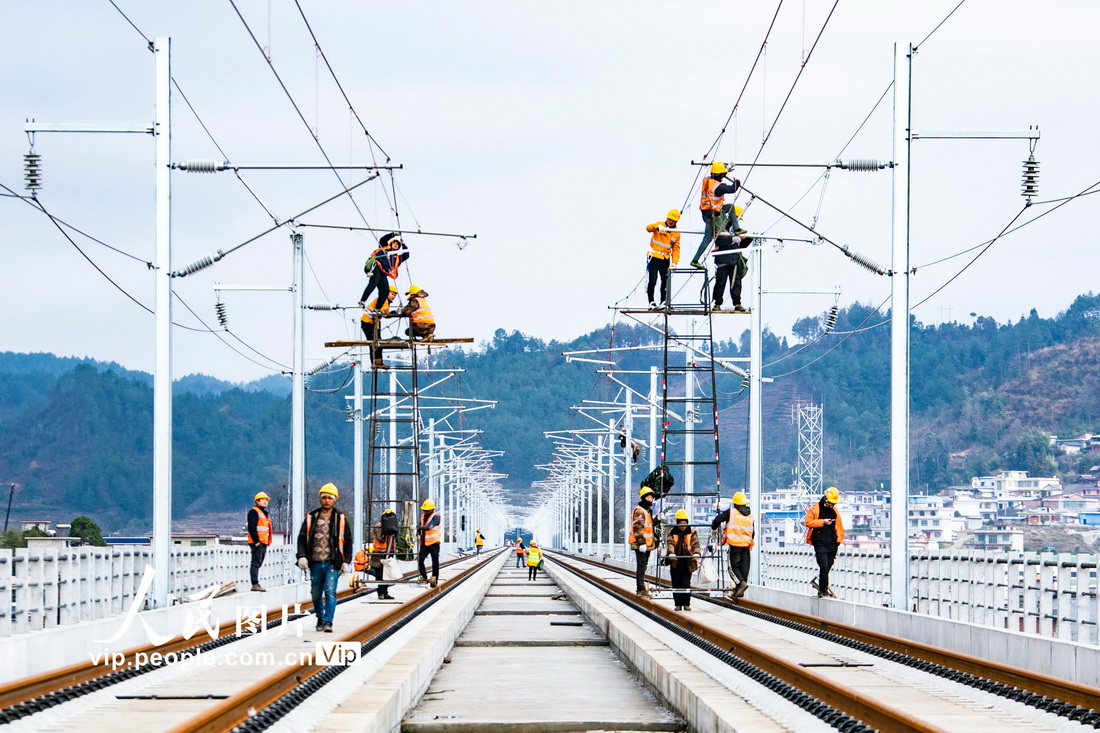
(862,165)
(830,319)
(202,166)
(1031,178)
(219,310)
(32,171)
(200,264)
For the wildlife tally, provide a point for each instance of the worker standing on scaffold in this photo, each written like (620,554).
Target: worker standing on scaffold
(717,214)
(642,539)
(422,322)
(664,246)
(370,323)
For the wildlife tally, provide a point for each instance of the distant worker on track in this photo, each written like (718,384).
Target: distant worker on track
(717,214)
(520,552)
(730,266)
(370,321)
(384,262)
(383,547)
(430,531)
(682,548)
(422,322)
(534,560)
(324,550)
(739,534)
(664,247)
(479,541)
(642,539)
(825,533)
(259,537)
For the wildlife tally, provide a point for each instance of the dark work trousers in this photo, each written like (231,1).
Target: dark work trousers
(368,332)
(740,562)
(681,578)
(376,281)
(259,552)
(532,572)
(425,551)
(642,559)
(826,554)
(520,557)
(730,274)
(657,267)
(383,590)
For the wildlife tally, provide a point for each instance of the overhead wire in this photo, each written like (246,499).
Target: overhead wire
(217,333)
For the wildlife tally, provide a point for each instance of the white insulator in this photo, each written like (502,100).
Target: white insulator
(865,261)
(323,307)
(202,166)
(219,309)
(32,171)
(1031,178)
(320,367)
(830,319)
(862,164)
(200,264)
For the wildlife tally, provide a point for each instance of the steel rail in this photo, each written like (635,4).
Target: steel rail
(30,688)
(239,707)
(851,702)
(1045,685)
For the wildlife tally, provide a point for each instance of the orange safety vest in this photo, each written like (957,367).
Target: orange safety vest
(361,561)
(263,528)
(708,201)
(373,305)
(663,244)
(520,550)
(422,314)
(340,534)
(739,529)
(434,535)
(647,527)
(812,515)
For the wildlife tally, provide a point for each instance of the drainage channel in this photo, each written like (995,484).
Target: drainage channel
(530,663)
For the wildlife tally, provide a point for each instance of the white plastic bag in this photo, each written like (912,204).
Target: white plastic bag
(708,568)
(391,570)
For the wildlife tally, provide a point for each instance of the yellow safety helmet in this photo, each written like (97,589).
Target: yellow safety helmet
(388,511)
(427,506)
(673,214)
(717,167)
(260,495)
(832,495)
(681,514)
(533,543)
(413,290)
(739,211)
(740,499)
(393,288)
(645,490)
(329,489)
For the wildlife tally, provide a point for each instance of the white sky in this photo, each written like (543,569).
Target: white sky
(554,132)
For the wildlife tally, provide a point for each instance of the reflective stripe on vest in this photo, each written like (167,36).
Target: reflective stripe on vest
(708,201)
(422,314)
(647,528)
(340,537)
(534,556)
(661,244)
(520,549)
(263,529)
(433,535)
(739,529)
(373,305)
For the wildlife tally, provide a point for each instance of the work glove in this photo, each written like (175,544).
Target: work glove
(303,564)
(663,229)
(345,569)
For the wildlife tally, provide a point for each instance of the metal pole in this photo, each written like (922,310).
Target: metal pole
(610,532)
(357,469)
(298,390)
(162,370)
(899,336)
(7,516)
(599,487)
(391,460)
(756,402)
(652,421)
(628,462)
(691,418)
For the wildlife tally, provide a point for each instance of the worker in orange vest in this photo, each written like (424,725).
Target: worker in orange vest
(384,262)
(384,546)
(717,214)
(682,549)
(520,552)
(422,325)
(641,539)
(259,537)
(664,247)
(740,535)
(825,532)
(324,549)
(370,323)
(430,531)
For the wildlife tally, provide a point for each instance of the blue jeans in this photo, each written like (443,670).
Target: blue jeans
(519,560)
(709,221)
(323,577)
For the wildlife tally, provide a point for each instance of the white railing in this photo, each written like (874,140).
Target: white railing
(78,584)
(1051,594)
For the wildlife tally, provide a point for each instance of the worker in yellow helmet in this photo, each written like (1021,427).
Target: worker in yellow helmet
(730,266)
(370,323)
(642,539)
(479,541)
(384,262)
(259,537)
(422,322)
(664,247)
(534,560)
(682,550)
(717,214)
(430,531)
(825,531)
(740,535)
(324,549)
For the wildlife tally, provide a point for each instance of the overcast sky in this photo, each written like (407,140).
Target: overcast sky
(554,132)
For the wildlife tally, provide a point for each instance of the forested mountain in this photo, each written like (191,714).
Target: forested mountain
(76,435)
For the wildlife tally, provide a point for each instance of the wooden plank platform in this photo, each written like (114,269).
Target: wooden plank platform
(686,311)
(395,344)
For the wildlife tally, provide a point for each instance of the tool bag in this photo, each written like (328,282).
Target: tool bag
(708,568)
(660,480)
